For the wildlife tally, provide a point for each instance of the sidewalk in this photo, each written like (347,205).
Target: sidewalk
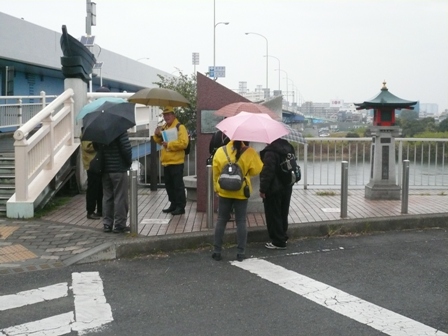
(66,236)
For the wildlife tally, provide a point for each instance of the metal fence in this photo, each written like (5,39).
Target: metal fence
(321,159)
(17,110)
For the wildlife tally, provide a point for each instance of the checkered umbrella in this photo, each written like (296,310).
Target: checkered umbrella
(294,135)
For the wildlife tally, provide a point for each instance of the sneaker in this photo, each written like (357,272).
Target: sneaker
(240,257)
(99,214)
(121,229)
(93,216)
(107,228)
(274,247)
(216,256)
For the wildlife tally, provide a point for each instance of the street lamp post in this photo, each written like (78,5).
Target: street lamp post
(267,53)
(214,35)
(279,88)
(293,92)
(214,43)
(287,92)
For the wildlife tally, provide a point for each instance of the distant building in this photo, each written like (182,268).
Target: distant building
(428,110)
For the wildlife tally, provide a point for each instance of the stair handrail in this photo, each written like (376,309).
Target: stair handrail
(47,111)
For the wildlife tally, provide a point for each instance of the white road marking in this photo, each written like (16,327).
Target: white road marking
(91,308)
(52,326)
(33,296)
(381,319)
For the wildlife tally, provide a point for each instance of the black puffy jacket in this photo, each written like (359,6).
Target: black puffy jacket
(118,155)
(270,176)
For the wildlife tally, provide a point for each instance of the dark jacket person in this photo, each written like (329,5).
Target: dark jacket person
(275,190)
(117,161)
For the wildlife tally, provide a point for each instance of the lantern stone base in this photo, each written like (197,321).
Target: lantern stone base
(375,191)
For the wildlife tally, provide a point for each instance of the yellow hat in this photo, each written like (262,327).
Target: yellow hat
(168,109)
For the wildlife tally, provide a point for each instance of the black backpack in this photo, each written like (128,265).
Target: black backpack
(231,177)
(290,169)
(187,149)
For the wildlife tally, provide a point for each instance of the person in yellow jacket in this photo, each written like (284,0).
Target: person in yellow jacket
(251,165)
(94,192)
(173,158)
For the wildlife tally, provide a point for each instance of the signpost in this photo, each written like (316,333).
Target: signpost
(217,71)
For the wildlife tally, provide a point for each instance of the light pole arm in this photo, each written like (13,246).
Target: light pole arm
(267,59)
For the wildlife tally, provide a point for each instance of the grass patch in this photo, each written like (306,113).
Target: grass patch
(325,193)
(52,205)
(442,193)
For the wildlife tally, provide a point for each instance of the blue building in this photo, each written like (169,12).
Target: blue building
(30,63)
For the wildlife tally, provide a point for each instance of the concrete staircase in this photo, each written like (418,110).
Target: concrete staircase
(7,180)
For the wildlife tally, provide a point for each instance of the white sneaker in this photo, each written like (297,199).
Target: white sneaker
(274,247)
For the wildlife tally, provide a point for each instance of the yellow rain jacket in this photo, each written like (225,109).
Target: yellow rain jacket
(249,162)
(174,153)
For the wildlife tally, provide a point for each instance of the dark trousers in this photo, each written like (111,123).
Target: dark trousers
(174,185)
(116,200)
(276,209)
(225,208)
(94,193)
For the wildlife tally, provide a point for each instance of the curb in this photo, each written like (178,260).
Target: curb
(151,245)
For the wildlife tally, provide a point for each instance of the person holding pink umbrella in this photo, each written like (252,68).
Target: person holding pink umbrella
(250,163)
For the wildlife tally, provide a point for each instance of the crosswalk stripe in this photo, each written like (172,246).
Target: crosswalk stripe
(51,326)
(33,296)
(91,308)
(386,321)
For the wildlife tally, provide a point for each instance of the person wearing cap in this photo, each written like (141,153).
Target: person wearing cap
(173,158)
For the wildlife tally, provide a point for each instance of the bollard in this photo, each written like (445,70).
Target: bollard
(209,195)
(405,188)
(344,188)
(133,201)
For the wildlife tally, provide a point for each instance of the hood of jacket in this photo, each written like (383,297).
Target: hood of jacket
(280,146)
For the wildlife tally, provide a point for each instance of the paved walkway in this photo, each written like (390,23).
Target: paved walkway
(65,236)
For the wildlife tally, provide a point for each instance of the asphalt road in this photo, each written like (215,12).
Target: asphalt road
(398,279)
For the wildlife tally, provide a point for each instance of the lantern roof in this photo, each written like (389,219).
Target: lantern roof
(385,99)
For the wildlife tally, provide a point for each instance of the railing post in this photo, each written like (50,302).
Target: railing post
(43,99)
(400,158)
(344,188)
(305,165)
(405,188)
(20,116)
(209,194)
(133,200)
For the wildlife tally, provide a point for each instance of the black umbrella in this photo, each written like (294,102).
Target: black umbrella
(108,121)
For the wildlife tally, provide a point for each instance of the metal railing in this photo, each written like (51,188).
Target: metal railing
(17,110)
(320,159)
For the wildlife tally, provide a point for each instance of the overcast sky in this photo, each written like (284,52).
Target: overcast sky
(334,49)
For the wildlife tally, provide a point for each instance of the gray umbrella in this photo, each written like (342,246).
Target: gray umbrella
(294,135)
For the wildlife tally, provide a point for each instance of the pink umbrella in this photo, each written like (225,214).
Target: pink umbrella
(235,108)
(258,127)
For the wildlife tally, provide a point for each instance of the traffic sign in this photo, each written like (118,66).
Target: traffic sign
(217,71)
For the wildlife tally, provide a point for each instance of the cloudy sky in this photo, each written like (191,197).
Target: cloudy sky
(325,49)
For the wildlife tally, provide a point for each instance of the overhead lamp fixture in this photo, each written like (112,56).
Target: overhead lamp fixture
(88,41)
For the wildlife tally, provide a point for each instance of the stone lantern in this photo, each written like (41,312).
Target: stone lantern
(383,184)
